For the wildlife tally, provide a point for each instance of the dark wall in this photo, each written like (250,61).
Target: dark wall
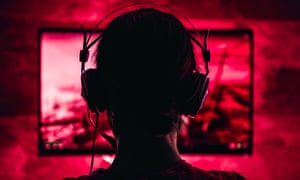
(276,27)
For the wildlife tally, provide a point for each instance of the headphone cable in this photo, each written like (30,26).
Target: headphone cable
(94,142)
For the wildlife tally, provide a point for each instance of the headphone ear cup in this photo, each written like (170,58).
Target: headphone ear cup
(196,89)
(92,90)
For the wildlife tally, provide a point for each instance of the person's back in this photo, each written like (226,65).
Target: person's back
(145,61)
(178,171)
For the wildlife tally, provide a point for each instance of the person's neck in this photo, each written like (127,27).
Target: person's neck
(136,156)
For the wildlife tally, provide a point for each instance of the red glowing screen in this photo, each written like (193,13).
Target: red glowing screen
(224,124)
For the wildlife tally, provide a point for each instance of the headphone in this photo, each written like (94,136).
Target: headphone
(195,88)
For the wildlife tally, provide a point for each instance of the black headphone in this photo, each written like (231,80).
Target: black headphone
(194,89)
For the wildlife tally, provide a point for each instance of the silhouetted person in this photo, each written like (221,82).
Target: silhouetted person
(143,59)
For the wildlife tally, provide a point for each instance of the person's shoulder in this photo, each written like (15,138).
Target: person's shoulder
(96,174)
(84,177)
(230,175)
(197,173)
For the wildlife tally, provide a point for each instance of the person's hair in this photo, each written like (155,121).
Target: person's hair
(143,56)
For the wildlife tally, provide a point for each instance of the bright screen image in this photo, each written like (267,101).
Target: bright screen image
(223,125)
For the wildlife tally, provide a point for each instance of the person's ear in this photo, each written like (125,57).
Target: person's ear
(93,90)
(192,93)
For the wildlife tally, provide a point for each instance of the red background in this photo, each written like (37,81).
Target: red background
(276,27)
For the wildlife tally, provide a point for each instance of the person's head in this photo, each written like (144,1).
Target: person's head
(144,57)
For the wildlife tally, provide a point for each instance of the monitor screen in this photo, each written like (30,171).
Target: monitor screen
(223,125)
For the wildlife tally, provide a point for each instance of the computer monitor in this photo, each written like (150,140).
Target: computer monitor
(224,124)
